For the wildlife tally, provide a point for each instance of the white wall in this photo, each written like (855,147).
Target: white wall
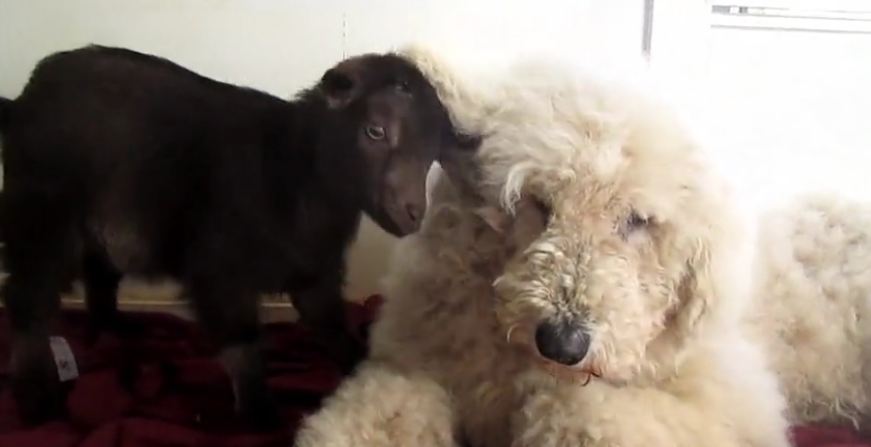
(792,111)
(281,46)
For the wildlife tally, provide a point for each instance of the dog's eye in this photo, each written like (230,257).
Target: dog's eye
(375,132)
(633,223)
(636,221)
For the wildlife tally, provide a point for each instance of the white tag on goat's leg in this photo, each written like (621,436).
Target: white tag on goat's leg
(63,359)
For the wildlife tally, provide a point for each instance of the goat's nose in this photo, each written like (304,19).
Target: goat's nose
(562,341)
(414,212)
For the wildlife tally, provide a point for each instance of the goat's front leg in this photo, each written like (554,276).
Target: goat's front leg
(229,315)
(382,407)
(321,308)
(713,412)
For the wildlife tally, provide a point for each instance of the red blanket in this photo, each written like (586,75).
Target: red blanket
(165,389)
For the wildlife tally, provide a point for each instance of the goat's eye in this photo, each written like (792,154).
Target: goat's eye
(375,132)
(403,87)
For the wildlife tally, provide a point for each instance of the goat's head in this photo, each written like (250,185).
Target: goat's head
(385,128)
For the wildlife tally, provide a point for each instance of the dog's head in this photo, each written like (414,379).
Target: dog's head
(627,247)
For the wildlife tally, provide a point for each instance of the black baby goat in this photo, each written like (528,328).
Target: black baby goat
(118,162)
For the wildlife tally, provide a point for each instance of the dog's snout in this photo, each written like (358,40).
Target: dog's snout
(562,341)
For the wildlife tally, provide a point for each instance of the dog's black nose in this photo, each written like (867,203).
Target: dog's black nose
(561,340)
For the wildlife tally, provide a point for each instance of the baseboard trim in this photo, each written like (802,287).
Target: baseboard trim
(269,312)
(165,297)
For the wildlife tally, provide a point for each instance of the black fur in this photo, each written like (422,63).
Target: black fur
(117,162)
(5,108)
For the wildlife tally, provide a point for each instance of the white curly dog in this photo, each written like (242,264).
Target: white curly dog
(585,279)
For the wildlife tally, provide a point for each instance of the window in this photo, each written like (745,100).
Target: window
(785,86)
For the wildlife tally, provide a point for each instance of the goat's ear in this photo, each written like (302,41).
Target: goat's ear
(343,83)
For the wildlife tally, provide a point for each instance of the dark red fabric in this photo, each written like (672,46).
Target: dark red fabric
(165,389)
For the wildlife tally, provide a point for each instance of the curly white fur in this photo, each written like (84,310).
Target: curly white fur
(812,308)
(591,202)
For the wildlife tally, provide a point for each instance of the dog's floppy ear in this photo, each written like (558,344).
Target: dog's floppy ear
(343,83)
(696,291)
(718,276)
(717,244)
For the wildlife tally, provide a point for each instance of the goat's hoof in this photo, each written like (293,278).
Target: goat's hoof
(39,399)
(349,355)
(261,413)
(121,326)
(36,411)
(126,327)
(36,388)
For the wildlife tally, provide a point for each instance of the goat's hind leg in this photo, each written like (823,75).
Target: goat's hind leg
(101,281)
(32,303)
(40,251)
